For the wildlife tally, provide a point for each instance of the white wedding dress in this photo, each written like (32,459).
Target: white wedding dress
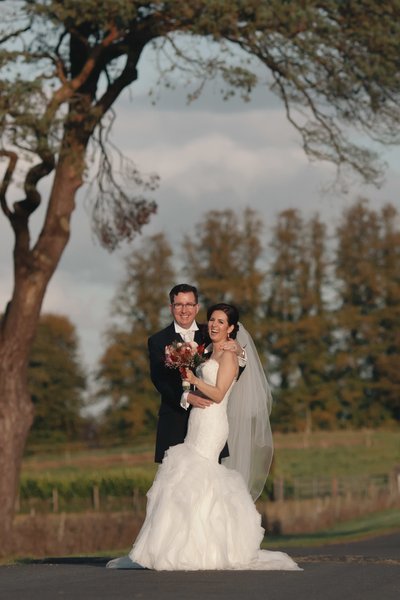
(199,513)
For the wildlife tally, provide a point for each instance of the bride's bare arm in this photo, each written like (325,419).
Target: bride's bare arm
(228,369)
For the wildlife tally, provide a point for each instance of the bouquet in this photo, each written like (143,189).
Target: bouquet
(182,356)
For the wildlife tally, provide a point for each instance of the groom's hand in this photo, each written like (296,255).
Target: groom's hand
(233,346)
(198,401)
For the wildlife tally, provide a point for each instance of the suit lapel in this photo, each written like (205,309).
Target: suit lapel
(170,335)
(201,336)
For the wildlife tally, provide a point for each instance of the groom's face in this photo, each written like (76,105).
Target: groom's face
(184,309)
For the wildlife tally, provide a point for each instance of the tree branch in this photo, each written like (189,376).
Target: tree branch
(128,75)
(14,34)
(26,207)
(69,88)
(12,156)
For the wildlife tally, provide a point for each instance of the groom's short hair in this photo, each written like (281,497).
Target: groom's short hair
(183,288)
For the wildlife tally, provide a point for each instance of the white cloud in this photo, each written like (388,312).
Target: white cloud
(214,159)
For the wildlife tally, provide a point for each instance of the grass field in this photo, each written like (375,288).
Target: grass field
(320,454)
(357,529)
(337,453)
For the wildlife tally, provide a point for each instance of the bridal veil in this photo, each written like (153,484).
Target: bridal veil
(250,437)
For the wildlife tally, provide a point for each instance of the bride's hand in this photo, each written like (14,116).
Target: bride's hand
(190,376)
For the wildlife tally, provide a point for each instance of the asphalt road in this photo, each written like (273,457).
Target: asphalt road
(366,570)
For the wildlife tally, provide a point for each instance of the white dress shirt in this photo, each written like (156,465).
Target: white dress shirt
(186,334)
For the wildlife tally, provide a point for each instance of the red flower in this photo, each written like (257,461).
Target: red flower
(183,355)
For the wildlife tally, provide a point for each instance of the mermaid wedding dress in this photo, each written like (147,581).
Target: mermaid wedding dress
(200,514)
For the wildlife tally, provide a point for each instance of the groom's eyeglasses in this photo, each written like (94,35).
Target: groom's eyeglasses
(179,305)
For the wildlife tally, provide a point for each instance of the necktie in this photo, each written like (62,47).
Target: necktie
(188,336)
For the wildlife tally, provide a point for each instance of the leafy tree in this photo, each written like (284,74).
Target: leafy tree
(63,65)
(222,259)
(56,380)
(140,305)
(297,324)
(367,318)
(387,361)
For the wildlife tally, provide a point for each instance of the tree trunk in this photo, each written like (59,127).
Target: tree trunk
(16,415)
(33,269)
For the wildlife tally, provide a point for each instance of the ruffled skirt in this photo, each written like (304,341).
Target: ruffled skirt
(201,516)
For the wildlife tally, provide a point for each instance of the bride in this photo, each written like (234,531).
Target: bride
(200,514)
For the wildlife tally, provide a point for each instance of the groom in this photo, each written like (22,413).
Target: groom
(172,417)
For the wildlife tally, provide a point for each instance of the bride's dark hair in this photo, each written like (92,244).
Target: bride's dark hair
(231,312)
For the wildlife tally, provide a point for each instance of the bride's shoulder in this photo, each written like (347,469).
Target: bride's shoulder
(230,357)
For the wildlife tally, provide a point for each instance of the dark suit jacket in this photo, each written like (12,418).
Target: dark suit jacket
(172,418)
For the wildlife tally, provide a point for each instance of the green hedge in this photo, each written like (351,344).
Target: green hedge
(82,486)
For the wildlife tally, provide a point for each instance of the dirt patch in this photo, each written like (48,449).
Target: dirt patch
(63,534)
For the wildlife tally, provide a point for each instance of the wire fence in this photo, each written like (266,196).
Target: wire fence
(98,498)
(321,487)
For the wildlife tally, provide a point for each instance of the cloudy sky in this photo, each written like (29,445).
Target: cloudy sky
(209,155)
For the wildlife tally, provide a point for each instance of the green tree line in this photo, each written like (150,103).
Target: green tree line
(323,307)
(57,381)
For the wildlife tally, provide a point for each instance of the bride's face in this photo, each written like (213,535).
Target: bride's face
(218,326)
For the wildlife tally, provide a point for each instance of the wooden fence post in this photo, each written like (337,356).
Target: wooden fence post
(135,500)
(279,489)
(55,499)
(96,497)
